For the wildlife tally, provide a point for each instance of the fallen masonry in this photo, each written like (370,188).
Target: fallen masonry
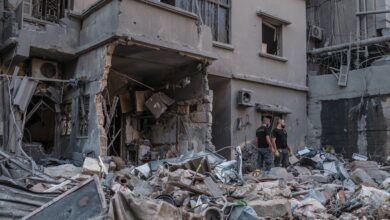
(201,185)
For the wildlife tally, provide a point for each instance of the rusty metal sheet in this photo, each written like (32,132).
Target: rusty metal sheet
(16,201)
(82,202)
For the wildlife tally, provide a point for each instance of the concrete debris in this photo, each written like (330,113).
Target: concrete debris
(359,176)
(386,184)
(280,172)
(202,186)
(63,171)
(360,157)
(372,169)
(373,197)
(93,166)
(272,208)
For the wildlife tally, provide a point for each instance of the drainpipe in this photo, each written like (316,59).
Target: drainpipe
(362,13)
(365,28)
(357,30)
(366,42)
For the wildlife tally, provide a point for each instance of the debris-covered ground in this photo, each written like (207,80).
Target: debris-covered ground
(317,185)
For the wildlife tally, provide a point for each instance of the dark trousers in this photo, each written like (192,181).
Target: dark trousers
(264,156)
(283,159)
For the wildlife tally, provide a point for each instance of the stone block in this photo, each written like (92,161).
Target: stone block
(201,117)
(359,176)
(321,178)
(272,208)
(208,96)
(183,109)
(92,166)
(372,169)
(280,173)
(208,107)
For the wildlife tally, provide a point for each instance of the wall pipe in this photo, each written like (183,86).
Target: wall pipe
(366,42)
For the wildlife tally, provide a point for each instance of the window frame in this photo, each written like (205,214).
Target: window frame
(281,24)
(279,37)
(201,12)
(79,120)
(66,116)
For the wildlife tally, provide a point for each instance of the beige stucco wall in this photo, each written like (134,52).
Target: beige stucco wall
(81,5)
(262,74)
(246,40)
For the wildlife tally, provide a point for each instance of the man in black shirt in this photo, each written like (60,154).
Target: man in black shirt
(279,141)
(264,145)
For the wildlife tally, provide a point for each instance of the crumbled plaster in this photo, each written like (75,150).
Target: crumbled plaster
(103,139)
(362,138)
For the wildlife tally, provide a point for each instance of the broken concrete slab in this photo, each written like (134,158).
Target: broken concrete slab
(65,170)
(386,184)
(273,208)
(359,176)
(302,170)
(280,173)
(214,189)
(320,178)
(372,169)
(373,197)
(92,166)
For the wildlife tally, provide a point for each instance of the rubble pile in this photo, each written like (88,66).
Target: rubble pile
(204,185)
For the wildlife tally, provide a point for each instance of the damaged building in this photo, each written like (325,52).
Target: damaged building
(104,78)
(145,79)
(148,109)
(348,76)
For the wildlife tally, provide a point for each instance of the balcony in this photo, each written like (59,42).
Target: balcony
(152,22)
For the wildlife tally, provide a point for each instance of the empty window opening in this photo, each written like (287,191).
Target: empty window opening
(213,13)
(83,116)
(39,130)
(66,119)
(271,39)
(49,10)
(193,108)
(169,2)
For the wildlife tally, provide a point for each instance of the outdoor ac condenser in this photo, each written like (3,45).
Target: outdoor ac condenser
(244,98)
(44,69)
(316,32)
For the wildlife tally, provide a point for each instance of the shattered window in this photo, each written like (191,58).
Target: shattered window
(49,10)
(214,13)
(169,2)
(66,119)
(271,43)
(83,116)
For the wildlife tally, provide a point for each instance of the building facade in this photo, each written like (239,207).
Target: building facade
(347,65)
(146,79)
(266,56)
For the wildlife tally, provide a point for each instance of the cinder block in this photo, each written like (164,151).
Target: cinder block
(201,117)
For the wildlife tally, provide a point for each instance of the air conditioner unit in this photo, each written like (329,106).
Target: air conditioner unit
(343,76)
(316,32)
(27,7)
(44,69)
(244,98)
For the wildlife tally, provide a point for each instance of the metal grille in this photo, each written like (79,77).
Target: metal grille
(49,10)
(213,13)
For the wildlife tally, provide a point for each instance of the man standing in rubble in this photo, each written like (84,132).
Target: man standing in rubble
(279,142)
(264,144)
